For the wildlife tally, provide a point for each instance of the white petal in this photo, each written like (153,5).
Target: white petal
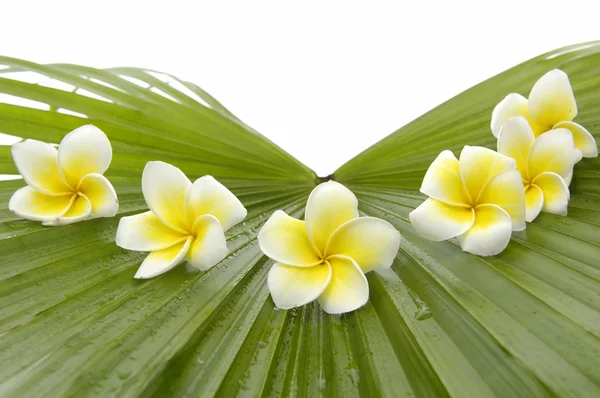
(161,261)
(37,164)
(584,141)
(490,233)
(81,209)
(438,221)
(284,239)
(478,165)
(329,205)
(33,205)
(555,152)
(515,141)
(512,105)
(209,245)
(348,289)
(83,151)
(208,196)
(372,242)
(292,286)
(534,199)
(506,190)
(556,193)
(551,99)
(145,232)
(165,188)
(101,195)
(443,182)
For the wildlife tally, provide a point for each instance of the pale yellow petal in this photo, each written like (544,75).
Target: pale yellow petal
(209,245)
(329,205)
(34,205)
(372,242)
(583,140)
(292,286)
(165,188)
(534,200)
(348,289)
(443,182)
(284,239)
(551,100)
(478,165)
(83,151)
(145,232)
(506,190)
(555,152)
(37,164)
(490,233)
(515,141)
(208,196)
(101,195)
(80,209)
(160,261)
(438,221)
(512,105)
(556,193)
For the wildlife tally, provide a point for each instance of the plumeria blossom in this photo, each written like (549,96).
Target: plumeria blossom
(65,185)
(551,105)
(479,199)
(326,256)
(546,164)
(186,222)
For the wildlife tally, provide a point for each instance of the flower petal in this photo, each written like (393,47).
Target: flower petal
(208,196)
(83,151)
(555,152)
(515,141)
(478,165)
(329,205)
(551,99)
(534,200)
(506,190)
(165,188)
(292,286)
(160,261)
(348,289)
(80,209)
(371,242)
(512,105)
(101,195)
(490,233)
(284,239)
(36,162)
(438,221)
(145,232)
(556,193)
(584,141)
(209,245)
(33,205)
(443,182)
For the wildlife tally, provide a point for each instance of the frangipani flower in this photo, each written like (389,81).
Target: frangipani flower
(326,256)
(65,185)
(479,199)
(551,105)
(186,221)
(546,164)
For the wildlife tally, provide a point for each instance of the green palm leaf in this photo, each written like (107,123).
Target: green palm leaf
(441,322)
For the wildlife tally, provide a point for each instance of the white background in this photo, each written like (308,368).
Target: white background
(323,79)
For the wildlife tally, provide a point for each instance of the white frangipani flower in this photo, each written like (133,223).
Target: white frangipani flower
(186,221)
(551,105)
(65,185)
(326,256)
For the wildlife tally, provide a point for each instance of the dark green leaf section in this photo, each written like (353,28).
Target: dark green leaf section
(439,323)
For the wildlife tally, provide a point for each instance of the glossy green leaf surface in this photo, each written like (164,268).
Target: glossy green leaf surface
(439,323)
